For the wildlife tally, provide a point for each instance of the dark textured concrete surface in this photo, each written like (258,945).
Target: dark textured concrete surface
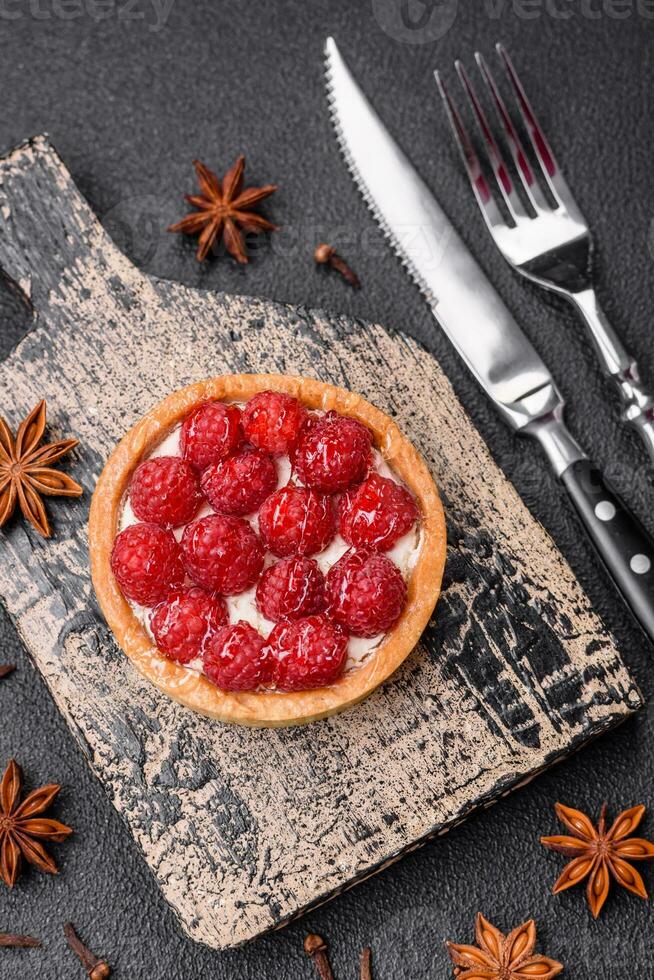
(128,101)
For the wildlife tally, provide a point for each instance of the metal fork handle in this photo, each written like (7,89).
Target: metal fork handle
(619,365)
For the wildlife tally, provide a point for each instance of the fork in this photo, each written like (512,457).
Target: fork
(549,242)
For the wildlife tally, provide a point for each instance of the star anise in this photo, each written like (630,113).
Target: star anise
(21,829)
(600,854)
(224,208)
(26,474)
(502,957)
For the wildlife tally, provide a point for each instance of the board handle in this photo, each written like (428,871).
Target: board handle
(48,233)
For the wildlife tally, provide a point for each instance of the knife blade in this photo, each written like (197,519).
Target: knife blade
(482,329)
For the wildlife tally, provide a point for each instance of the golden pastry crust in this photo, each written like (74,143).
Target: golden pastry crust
(265,709)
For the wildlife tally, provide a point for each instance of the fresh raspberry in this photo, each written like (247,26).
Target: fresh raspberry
(147,563)
(377,513)
(211,433)
(222,554)
(297,521)
(334,453)
(236,658)
(365,592)
(308,653)
(185,620)
(272,421)
(290,589)
(310,424)
(240,484)
(165,491)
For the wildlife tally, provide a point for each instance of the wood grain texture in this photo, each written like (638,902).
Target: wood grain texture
(247,828)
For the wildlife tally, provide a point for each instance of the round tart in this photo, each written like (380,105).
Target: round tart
(278,556)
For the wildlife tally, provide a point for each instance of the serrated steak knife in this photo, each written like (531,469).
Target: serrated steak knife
(483,331)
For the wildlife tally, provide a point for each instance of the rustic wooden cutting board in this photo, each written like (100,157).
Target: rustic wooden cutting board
(245,829)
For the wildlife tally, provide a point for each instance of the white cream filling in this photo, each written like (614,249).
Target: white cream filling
(243,606)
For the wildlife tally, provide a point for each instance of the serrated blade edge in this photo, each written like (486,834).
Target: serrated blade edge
(331,56)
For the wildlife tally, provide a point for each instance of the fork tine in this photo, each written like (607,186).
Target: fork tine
(502,176)
(542,149)
(518,155)
(478,182)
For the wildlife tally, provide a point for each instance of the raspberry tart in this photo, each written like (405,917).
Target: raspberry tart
(266,549)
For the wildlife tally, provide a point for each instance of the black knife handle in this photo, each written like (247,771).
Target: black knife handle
(621,541)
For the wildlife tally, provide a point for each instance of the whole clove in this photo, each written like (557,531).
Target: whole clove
(6,670)
(366,963)
(327,255)
(96,968)
(316,948)
(13,940)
